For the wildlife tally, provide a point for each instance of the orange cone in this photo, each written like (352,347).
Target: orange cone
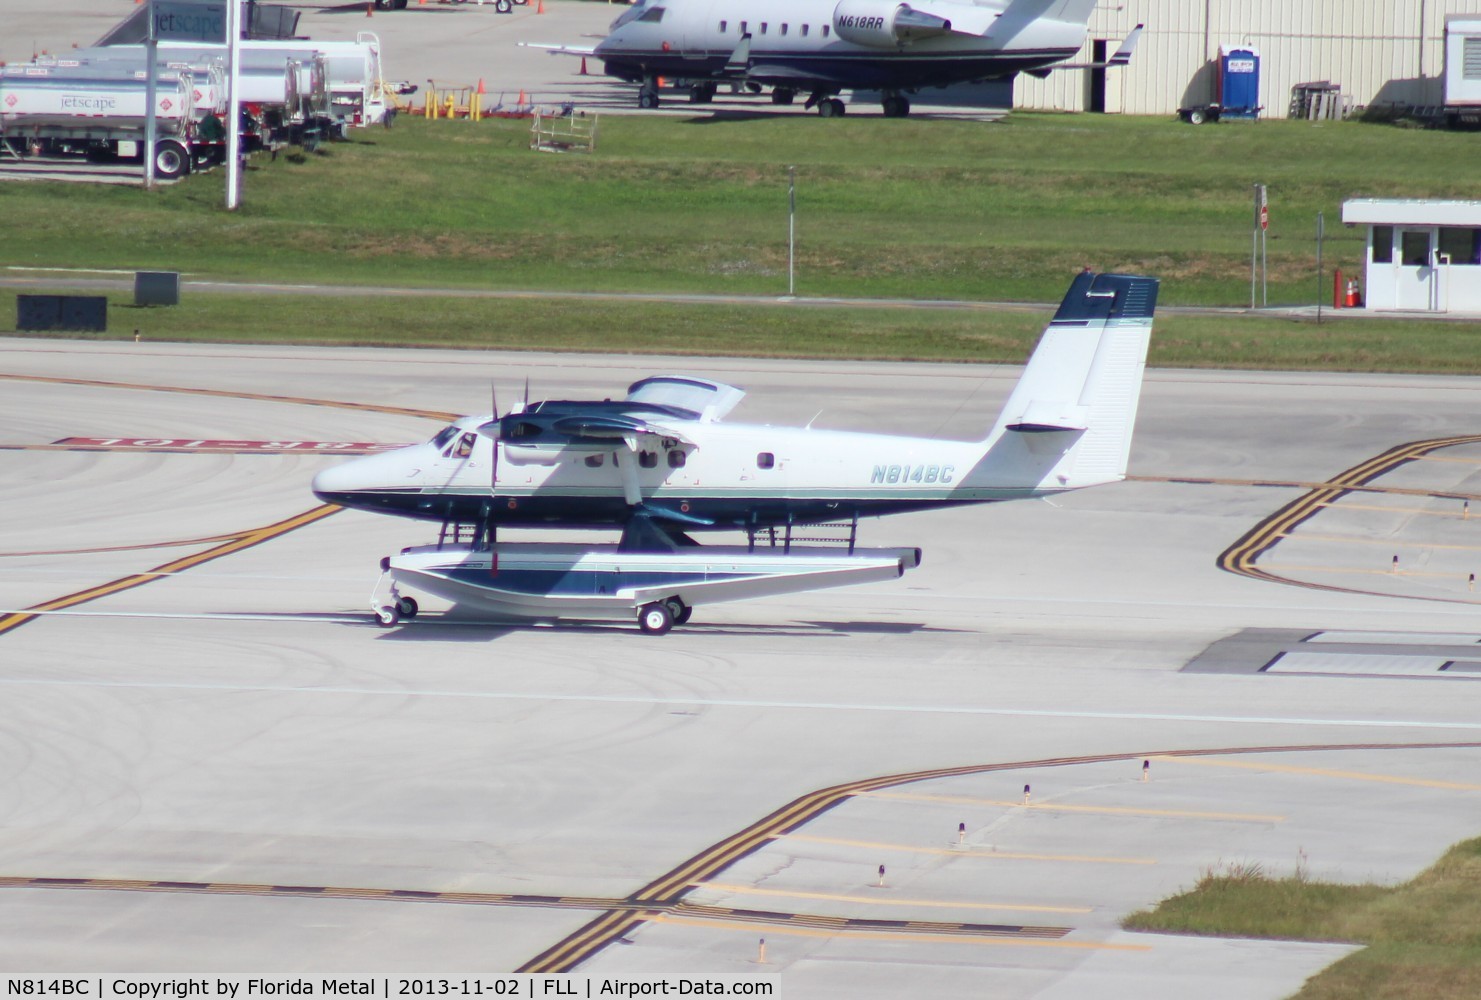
(370,10)
(522,98)
(540,8)
(480,86)
(583,67)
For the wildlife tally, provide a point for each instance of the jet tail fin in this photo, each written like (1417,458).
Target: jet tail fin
(1068,422)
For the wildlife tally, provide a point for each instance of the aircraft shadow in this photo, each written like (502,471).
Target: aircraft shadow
(452,628)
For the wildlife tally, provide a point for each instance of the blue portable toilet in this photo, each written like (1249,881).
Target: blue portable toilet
(1239,81)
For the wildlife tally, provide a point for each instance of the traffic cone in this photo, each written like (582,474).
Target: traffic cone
(522,98)
(370,10)
(583,67)
(480,86)
(540,7)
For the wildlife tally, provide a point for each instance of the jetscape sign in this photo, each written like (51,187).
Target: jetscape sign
(189,20)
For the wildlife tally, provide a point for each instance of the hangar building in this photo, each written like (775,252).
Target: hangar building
(1376,51)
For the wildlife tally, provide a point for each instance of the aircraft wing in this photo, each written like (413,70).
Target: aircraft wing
(562,50)
(617,427)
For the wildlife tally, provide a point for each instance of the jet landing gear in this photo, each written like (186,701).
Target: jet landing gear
(828,107)
(648,93)
(895,106)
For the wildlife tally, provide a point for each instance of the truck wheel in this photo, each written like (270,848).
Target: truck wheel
(170,160)
(1197,117)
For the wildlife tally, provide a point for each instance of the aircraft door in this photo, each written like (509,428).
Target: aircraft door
(697,28)
(1415,282)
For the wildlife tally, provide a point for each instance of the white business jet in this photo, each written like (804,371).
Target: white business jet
(662,466)
(823,47)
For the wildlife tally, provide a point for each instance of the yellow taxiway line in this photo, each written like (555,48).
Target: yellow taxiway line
(1322,772)
(753,890)
(1065,807)
(965,852)
(860,935)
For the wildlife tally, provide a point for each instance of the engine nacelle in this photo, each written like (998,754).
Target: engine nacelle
(884,25)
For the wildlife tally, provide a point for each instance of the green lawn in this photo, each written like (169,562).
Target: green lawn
(914,208)
(1423,938)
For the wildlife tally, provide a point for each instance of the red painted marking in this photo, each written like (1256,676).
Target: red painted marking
(10,99)
(203,444)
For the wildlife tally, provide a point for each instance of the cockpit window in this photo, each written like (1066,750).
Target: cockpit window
(445,435)
(652,15)
(636,12)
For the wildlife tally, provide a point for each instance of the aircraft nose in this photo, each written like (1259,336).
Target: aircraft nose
(357,483)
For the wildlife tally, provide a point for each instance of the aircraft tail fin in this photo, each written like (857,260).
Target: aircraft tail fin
(1068,422)
(1068,11)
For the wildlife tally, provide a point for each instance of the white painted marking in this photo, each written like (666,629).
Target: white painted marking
(403,692)
(1369,664)
(1399,638)
(69,270)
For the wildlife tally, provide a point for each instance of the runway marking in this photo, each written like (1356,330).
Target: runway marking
(1304,484)
(245,540)
(751,890)
(1349,505)
(568,953)
(208,540)
(964,852)
(691,702)
(1386,542)
(923,934)
(1063,807)
(1321,772)
(187,446)
(1241,557)
(232,394)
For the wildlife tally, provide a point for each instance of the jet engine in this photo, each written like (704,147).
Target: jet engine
(884,25)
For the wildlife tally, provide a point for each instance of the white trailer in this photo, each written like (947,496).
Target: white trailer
(98,114)
(1462,70)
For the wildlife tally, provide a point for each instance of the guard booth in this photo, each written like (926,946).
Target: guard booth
(1422,255)
(1239,81)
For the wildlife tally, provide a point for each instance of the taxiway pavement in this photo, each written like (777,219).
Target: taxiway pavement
(232,719)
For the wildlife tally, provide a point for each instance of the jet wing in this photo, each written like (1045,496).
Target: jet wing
(562,50)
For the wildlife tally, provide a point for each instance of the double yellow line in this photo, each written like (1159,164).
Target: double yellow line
(1242,555)
(234,543)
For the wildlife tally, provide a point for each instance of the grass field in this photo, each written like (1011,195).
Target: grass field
(886,208)
(1423,938)
(915,208)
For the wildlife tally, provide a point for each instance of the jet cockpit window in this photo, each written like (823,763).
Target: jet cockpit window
(630,15)
(465,445)
(652,15)
(442,437)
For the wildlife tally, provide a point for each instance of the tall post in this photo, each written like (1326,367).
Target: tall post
(791,230)
(1254,246)
(1321,234)
(233,106)
(151,127)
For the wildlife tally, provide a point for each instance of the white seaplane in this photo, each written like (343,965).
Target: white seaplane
(662,466)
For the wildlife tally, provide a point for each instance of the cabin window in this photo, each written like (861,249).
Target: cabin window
(594,461)
(648,459)
(1383,244)
(765,460)
(743,27)
(676,459)
(722,26)
(1415,246)
(763,27)
(1459,243)
(804,31)
(784,29)
(653,15)
(825,31)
